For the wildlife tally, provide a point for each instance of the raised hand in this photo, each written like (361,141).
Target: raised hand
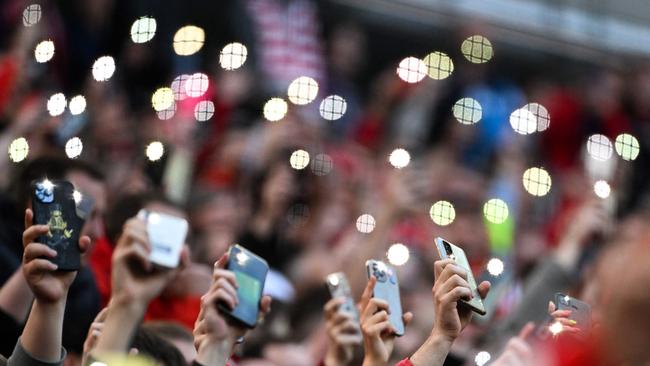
(343,333)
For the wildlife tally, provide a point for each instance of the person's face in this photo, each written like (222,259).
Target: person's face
(94,225)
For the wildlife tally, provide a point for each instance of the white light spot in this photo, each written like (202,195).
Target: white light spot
(467,111)
(523,121)
(602,189)
(162,99)
(439,65)
(482,358)
(155,150)
(556,328)
(47,185)
(333,107)
(412,70)
(56,104)
(204,110)
(143,30)
(188,40)
(303,90)
(495,211)
(178,86)
(599,147)
(167,113)
(73,147)
(541,114)
(477,49)
(333,279)
(241,257)
(196,85)
(537,181)
(103,68)
(398,254)
(442,213)
(495,266)
(399,158)
(77,196)
(44,51)
(77,105)
(18,150)
(366,223)
(322,164)
(233,56)
(627,146)
(275,109)
(299,159)
(31,15)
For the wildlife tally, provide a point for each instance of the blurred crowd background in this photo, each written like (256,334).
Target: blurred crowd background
(236,175)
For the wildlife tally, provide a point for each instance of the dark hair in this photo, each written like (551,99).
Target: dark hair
(169,330)
(149,344)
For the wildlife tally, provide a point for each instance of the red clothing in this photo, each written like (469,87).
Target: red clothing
(404,362)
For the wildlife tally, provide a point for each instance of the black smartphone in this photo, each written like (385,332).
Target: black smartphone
(250,272)
(338,285)
(580,311)
(387,289)
(54,203)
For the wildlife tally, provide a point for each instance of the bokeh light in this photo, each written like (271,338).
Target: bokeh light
(399,158)
(627,146)
(196,85)
(299,159)
(322,164)
(495,211)
(303,90)
(442,213)
(188,40)
(162,99)
(541,115)
(77,196)
(495,267)
(556,328)
(332,107)
(233,56)
(523,121)
(143,30)
(412,70)
(204,110)
(178,86)
(44,51)
(73,147)
(103,68)
(155,150)
(31,15)
(275,109)
(398,254)
(366,223)
(482,358)
(467,111)
(537,181)
(167,113)
(477,49)
(56,104)
(439,65)
(77,105)
(602,189)
(18,150)
(599,147)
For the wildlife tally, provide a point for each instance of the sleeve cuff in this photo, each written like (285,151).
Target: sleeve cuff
(20,357)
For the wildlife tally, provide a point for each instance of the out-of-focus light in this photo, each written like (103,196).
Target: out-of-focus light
(442,213)
(233,56)
(188,40)
(333,279)
(204,110)
(167,113)
(44,51)
(495,266)
(299,159)
(627,146)
(77,196)
(541,115)
(537,181)
(439,65)
(241,257)
(482,358)
(56,104)
(495,211)
(333,107)
(599,147)
(398,254)
(155,151)
(467,111)
(162,99)
(18,150)
(77,105)
(303,90)
(556,328)
(366,223)
(322,164)
(523,121)
(412,70)
(31,15)
(73,147)
(275,109)
(178,86)
(143,29)
(196,85)
(103,68)
(47,185)
(399,158)
(602,189)
(477,49)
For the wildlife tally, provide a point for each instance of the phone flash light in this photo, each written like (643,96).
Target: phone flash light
(77,196)
(154,218)
(567,299)
(556,328)
(334,280)
(47,184)
(241,257)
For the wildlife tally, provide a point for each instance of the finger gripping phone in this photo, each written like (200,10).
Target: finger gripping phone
(54,205)
(580,311)
(338,285)
(387,289)
(250,271)
(455,253)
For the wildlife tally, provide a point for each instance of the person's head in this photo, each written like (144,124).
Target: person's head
(147,343)
(176,335)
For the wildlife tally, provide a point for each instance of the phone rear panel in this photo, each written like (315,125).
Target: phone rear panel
(387,288)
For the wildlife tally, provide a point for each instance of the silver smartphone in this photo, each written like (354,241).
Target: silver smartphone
(339,286)
(387,289)
(167,235)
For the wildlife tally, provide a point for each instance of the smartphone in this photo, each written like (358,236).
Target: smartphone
(387,289)
(339,286)
(580,311)
(250,272)
(455,253)
(54,204)
(167,236)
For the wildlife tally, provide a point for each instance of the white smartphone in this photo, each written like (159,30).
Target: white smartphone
(167,236)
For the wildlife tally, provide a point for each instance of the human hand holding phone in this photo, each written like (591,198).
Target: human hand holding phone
(343,333)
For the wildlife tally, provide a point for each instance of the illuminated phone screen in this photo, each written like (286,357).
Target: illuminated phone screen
(248,292)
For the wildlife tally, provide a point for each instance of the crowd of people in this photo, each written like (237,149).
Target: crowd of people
(232,177)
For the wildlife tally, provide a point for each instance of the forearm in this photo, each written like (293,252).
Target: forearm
(214,354)
(43,331)
(433,352)
(121,323)
(16,297)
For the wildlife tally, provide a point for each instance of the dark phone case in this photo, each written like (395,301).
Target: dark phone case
(387,288)
(57,209)
(580,311)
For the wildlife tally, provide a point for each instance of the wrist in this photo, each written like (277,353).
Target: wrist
(214,353)
(433,351)
(333,358)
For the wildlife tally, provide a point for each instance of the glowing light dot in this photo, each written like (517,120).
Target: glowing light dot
(537,181)
(333,279)
(299,159)
(366,223)
(47,185)
(155,150)
(398,254)
(523,121)
(77,196)
(162,99)
(439,65)
(233,56)
(442,213)
(322,164)
(495,211)
(143,30)
(44,51)
(467,111)
(275,109)
(602,189)
(495,266)
(204,110)
(599,147)
(56,104)
(73,147)
(482,358)
(18,150)
(333,107)
(188,40)
(541,115)
(399,158)
(196,85)
(31,15)
(178,86)
(627,146)
(167,113)
(103,68)
(303,90)
(77,105)
(477,49)
(556,328)
(412,70)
